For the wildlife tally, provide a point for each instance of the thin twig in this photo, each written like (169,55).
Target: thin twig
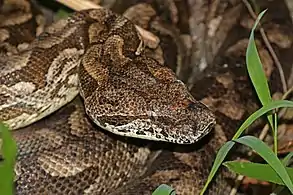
(237,184)
(286,95)
(149,38)
(269,46)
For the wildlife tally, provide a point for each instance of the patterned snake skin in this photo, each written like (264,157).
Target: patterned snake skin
(123,90)
(78,149)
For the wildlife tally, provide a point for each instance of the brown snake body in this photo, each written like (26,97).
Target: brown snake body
(68,153)
(124,91)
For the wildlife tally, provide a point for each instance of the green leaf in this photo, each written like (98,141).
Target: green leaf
(266,108)
(8,150)
(267,154)
(275,131)
(228,145)
(222,153)
(263,172)
(255,69)
(164,189)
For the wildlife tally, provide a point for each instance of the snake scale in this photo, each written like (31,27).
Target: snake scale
(123,88)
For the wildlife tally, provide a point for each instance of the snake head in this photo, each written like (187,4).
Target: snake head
(133,95)
(168,118)
(144,102)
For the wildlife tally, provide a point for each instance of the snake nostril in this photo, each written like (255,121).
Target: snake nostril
(188,104)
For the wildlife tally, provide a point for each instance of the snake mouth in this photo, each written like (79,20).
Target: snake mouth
(149,130)
(184,125)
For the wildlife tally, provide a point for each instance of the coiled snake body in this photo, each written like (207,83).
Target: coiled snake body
(100,55)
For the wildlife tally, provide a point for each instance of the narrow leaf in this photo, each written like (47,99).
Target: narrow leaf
(266,108)
(262,172)
(255,69)
(267,154)
(164,189)
(228,145)
(221,155)
(8,151)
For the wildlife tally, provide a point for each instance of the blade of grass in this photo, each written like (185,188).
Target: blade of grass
(253,170)
(164,189)
(266,108)
(228,145)
(267,154)
(275,133)
(255,70)
(221,155)
(285,162)
(8,150)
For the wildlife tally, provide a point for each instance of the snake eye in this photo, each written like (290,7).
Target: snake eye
(191,105)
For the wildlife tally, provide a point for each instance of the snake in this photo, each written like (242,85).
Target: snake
(95,111)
